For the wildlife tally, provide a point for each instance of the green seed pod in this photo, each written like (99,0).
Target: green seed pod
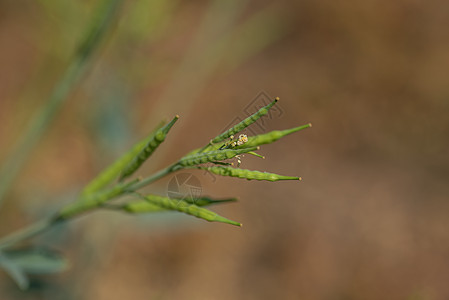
(139,207)
(256,154)
(270,137)
(146,207)
(247,174)
(190,209)
(212,156)
(203,201)
(94,200)
(146,152)
(245,123)
(113,171)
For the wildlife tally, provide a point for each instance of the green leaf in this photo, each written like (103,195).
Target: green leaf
(14,271)
(247,174)
(270,137)
(37,260)
(146,207)
(212,156)
(187,208)
(149,148)
(114,170)
(20,262)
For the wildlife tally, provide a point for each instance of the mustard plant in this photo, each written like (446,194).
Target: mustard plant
(113,183)
(116,181)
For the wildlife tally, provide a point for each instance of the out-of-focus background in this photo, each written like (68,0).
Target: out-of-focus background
(370,220)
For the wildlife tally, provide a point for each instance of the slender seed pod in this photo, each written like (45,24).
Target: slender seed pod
(190,209)
(146,152)
(212,156)
(247,174)
(256,154)
(146,207)
(94,200)
(113,171)
(203,201)
(139,207)
(270,137)
(245,123)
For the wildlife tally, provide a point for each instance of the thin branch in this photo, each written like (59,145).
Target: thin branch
(77,68)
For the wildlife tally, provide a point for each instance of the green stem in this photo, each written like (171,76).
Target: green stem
(75,209)
(77,68)
(153,178)
(27,232)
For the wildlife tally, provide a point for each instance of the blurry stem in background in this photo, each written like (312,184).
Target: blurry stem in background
(201,57)
(219,44)
(13,164)
(247,39)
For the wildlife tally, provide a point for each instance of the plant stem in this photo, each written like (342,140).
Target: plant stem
(156,176)
(77,68)
(28,232)
(73,210)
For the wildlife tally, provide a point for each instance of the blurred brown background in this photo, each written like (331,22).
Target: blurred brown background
(368,221)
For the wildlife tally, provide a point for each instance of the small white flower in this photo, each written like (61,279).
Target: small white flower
(242,139)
